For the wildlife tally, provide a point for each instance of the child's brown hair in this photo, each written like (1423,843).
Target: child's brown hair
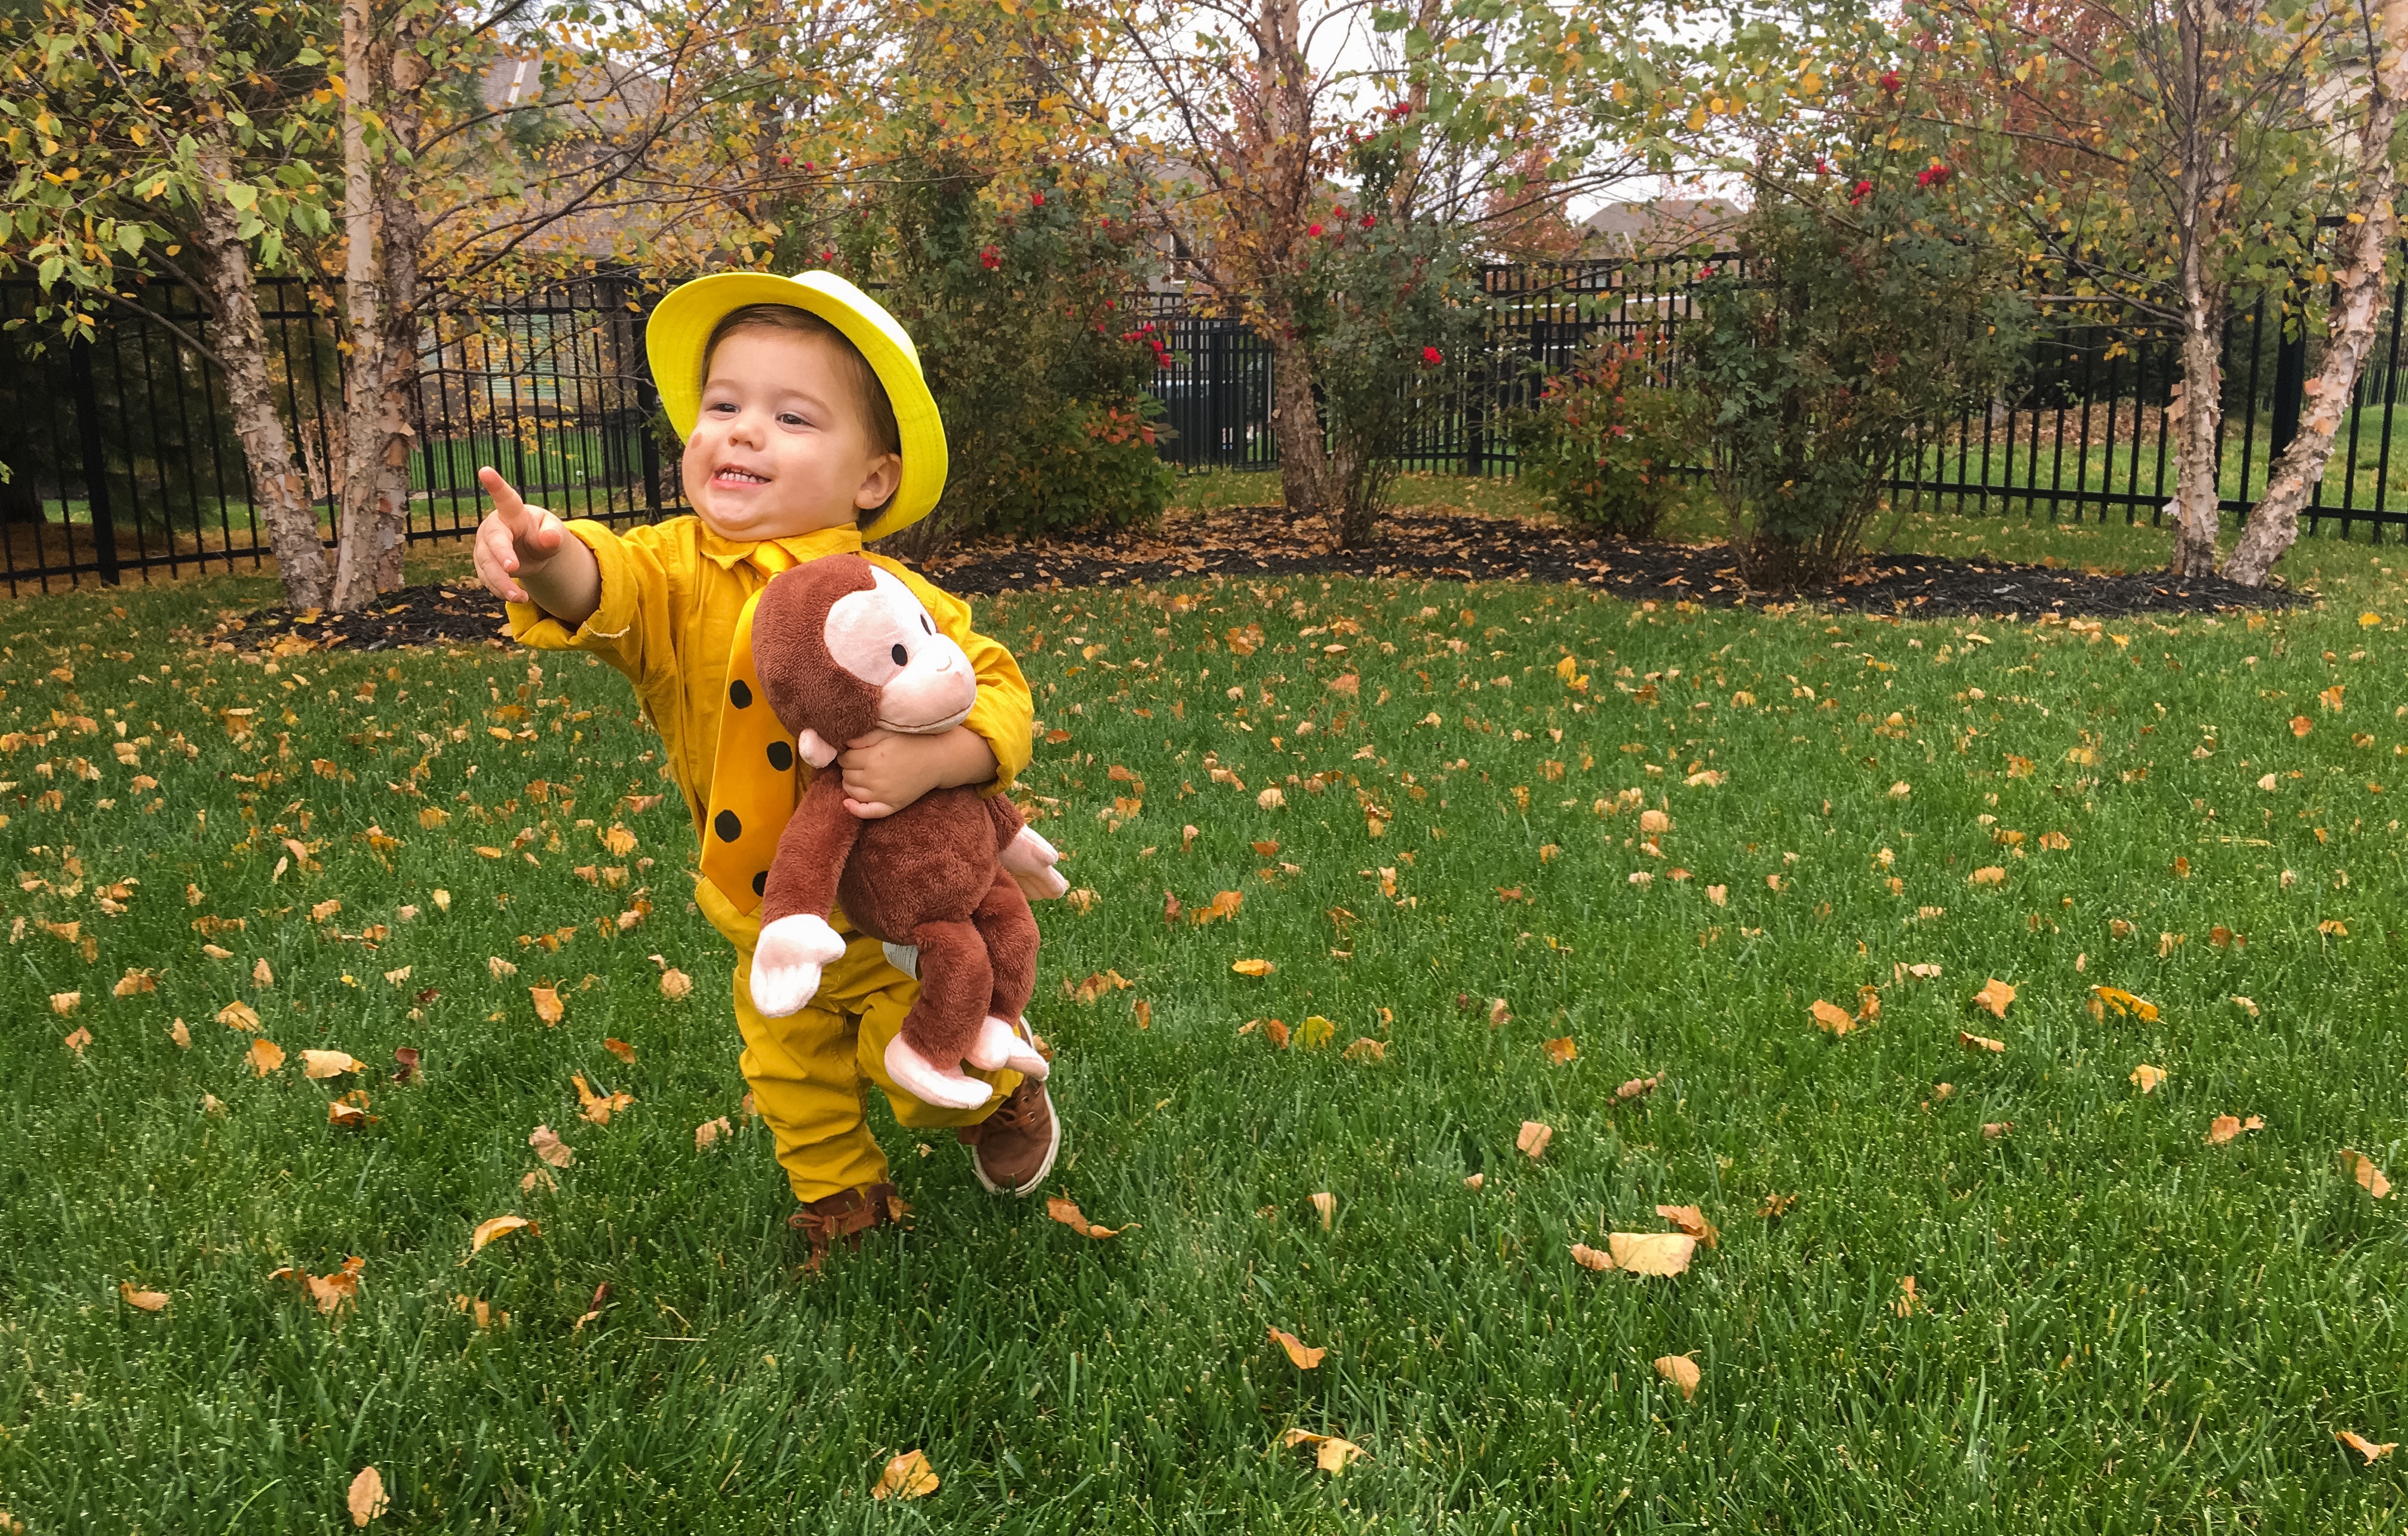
(868,390)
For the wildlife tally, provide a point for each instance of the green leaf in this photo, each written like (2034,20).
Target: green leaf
(243,196)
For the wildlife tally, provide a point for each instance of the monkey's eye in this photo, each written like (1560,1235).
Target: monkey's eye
(927,625)
(902,657)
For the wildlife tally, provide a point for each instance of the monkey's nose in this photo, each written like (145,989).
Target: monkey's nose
(945,660)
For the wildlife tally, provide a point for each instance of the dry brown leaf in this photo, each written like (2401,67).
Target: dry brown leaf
(1981,1042)
(1990,874)
(1560,1051)
(2365,1447)
(1831,1018)
(1774,1207)
(709,1131)
(2146,1078)
(1327,1203)
(621,1049)
(1143,1012)
(493,1226)
(142,1301)
(1498,1013)
(1681,1371)
(325,1064)
(1365,1049)
(1993,1129)
(2359,1166)
(1639,1088)
(1995,996)
(1302,1354)
(675,983)
(500,969)
(63,1003)
(1474,1180)
(136,981)
(406,1059)
(1586,1257)
(77,1039)
(1659,1254)
(907,1476)
(180,1035)
(1533,1139)
(550,1147)
(265,1056)
(1066,1212)
(1908,1302)
(260,975)
(598,1108)
(347,1115)
(1689,1219)
(2225,1127)
(1330,1452)
(548,1006)
(366,1498)
(238,1015)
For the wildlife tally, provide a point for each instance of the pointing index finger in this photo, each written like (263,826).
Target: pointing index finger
(505,496)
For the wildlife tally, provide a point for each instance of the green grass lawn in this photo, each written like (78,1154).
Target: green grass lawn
(2116,1327)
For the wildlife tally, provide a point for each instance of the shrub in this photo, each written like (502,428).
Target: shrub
(1017,294)
(1600,443)
(1856,329)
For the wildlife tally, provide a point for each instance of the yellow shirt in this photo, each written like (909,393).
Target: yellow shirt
(671,594)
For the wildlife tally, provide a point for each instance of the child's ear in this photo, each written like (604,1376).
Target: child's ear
(878,486)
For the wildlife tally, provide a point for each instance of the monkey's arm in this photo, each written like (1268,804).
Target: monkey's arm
(796,938)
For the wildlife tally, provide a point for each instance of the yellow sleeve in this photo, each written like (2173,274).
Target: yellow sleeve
(631,629)
(1004,711)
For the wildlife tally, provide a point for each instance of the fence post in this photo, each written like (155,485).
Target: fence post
(2291,376)
(95,460)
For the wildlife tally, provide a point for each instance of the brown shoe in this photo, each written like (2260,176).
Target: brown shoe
(1012,1149)
(847,1213)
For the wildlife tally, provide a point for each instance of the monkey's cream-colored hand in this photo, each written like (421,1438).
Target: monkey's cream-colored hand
(1029,860)
(945,1084)
(787,961)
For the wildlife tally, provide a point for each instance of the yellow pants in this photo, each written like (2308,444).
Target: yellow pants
(809,1072)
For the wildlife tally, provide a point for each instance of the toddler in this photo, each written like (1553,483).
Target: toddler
(808,431)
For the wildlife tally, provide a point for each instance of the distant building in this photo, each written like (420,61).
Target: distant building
(1661,225)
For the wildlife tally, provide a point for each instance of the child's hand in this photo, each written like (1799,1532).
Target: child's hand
(887,770)
(514,540)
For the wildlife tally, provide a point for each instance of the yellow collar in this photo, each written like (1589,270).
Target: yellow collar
(772,556)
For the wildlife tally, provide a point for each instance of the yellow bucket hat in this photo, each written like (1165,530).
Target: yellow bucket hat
(681,328)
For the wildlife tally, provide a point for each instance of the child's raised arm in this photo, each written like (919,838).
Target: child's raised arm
(524,556)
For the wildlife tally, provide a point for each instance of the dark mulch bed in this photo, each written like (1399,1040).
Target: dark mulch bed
(1246,541)
(1268,540)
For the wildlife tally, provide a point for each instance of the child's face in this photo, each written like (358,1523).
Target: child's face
(780,447)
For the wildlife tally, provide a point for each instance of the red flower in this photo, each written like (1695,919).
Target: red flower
(990,258)
(1369,221)
(1432,357)
(1400,111)
(785,160)
(1315,232)
(1037,199)
(1931,176)
(1703,273)
(1859,192)
(827,258)
(1890,82)
(1822,166)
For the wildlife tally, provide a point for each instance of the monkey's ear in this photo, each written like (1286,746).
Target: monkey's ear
(815,750)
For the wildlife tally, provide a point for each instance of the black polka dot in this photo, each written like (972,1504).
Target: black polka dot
(739,695)
(782,755)
(760,883)
(728,825)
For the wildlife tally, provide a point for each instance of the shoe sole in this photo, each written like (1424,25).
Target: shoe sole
(1052,1149)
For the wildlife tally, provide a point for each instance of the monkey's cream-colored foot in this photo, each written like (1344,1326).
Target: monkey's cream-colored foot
(1000,1045)
(787,961)
(948,1088)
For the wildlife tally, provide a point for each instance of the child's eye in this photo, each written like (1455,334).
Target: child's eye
(787,418)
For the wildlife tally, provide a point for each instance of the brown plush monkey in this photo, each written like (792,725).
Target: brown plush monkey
(843,647)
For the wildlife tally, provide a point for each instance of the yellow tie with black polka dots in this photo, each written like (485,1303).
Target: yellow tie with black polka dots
(755,779)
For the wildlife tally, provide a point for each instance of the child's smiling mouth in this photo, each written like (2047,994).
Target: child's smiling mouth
(731,475)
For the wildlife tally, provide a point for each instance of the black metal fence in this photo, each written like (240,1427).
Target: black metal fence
(124,458)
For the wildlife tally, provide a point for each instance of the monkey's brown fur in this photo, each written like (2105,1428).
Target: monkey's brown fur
(925,875)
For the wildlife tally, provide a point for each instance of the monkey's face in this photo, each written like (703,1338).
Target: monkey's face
(885,637)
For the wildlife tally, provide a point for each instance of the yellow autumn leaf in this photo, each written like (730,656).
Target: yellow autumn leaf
(2146,1078)
(1681,1371)
(323,1064)
(141,1300)
(1331,1453)
(2365,1447)
(1995,996)
(2125,1003)
(907,1476)
(548,1006)
(1831,1017)
(2360,1167)
(1252,968)
(493,1226)
(1981,1042)
(265,1056)
(2225,1127)
(1533,1139)
(1303,1356)
(366,1498)
(238,1015)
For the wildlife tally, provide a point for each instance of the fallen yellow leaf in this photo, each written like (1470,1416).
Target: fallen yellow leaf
(494,1227)
(550,1147)
(323,1064)
(1980,1043)
(1327,1203)
(1302,1354)
(675,983)
(1330,1452)
(1831,1018)
(2223,1127)
(238,1015)
(1067,1214)
(598,1108)
(1533,1139)
(709,1131)
(2364,1446)
(1662,1254)
(1681,1371)
(2125,1003)
(2146,1078)
(366,1498)
(1689,1219)
(1995,996)
(1252,968)
(2359,1166)
(548,1006)
(907,1476)
(143,1301)
(265,1056)
(1560,1051)
(621,1049)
